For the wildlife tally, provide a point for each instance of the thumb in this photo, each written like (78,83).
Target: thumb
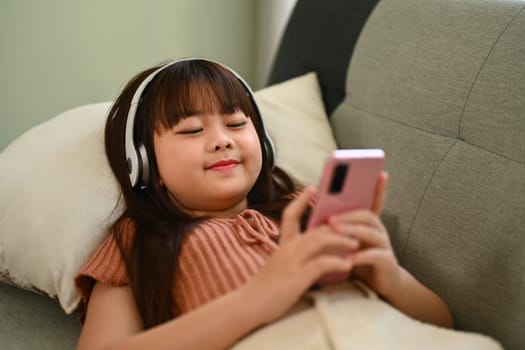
(380,193)
(290,220)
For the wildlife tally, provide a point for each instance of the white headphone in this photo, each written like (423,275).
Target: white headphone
(136,155)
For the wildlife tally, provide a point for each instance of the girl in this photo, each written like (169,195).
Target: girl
(209,246)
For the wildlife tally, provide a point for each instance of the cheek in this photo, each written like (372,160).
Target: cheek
(257,159)
(172,161)
(259,156)
(251,143)
(175,163)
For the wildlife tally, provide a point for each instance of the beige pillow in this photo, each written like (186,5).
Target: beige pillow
(294,115)
(58,193)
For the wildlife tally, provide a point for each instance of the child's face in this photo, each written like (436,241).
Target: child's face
(208,162)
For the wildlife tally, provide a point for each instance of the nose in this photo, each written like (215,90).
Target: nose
(220,140)
(224,144)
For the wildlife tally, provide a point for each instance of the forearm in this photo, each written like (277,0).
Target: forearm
(419,302)
(216,325)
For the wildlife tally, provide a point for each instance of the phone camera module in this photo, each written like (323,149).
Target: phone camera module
(338,178)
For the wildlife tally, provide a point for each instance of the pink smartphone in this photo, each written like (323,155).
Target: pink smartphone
(348,183)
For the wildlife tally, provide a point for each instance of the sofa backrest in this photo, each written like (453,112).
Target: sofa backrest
(440,85)
(321,38)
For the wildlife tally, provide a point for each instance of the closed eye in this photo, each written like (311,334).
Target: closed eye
(190,131)
(237,125)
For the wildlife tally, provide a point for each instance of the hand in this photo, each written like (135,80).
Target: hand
(300,260)
(375,262)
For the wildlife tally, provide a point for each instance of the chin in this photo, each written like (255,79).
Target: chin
(224,200)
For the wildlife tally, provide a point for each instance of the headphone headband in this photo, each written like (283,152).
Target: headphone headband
(136,155)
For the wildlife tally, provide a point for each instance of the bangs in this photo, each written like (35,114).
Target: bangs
(197,87)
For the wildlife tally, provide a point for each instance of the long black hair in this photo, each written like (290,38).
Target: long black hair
(150,221)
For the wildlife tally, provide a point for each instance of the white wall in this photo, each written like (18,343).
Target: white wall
(272,16)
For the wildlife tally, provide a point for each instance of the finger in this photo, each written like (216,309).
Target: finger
(371,257)
(358,217)
(347,235)
(290,220)
(327,264)
(367,235)
(380,193)
(325,242)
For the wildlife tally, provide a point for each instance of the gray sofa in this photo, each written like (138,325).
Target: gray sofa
(440,86)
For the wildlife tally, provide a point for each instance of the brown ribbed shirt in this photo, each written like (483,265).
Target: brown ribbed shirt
(219,255)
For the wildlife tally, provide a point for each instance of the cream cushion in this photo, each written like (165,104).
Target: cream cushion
(294,115)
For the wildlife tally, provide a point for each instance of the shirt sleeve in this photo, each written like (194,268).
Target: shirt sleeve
(105,265)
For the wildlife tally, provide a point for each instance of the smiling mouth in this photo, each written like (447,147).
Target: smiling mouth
(223,165)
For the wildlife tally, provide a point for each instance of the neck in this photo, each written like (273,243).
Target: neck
(222,212)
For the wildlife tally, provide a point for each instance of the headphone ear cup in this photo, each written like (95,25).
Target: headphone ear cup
(143,174)
(269,148)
